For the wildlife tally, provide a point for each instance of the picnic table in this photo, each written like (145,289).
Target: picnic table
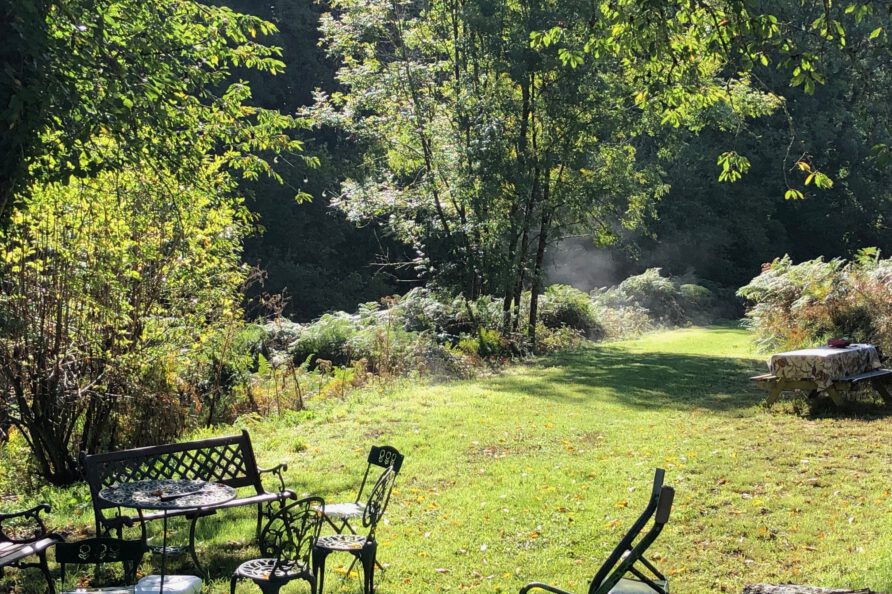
(832,371)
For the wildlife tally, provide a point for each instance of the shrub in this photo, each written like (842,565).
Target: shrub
(486,343)
(386,348)
(552,340)
(420,310)
(667,301)
(563,306)
(796,305)
(280,336)
(623,321)
(326,338)
(111,290)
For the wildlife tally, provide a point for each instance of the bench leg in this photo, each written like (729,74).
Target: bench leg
(775,394)
(45,569)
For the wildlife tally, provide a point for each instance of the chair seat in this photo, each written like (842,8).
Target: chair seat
(344,511)
(261,569)
(173,584)
(341,542)
(627,586)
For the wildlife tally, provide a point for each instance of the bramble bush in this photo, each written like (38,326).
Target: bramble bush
(649,300)
(797,305)
(423,329)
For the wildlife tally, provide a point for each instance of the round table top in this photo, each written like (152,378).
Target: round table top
(167,494)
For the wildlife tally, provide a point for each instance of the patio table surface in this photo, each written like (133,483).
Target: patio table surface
(825,364)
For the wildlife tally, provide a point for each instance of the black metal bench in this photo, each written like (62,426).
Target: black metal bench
(878,379)
(227,460)
(16,548)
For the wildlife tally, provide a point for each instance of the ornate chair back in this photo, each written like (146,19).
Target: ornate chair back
(290,533)
(378,499)
(382,457)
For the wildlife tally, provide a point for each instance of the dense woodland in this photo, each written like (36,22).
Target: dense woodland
(722,232)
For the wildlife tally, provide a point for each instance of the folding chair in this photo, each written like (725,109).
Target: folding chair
(610,578)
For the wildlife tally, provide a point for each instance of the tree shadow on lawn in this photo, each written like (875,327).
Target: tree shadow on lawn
(643,380)
(663,380)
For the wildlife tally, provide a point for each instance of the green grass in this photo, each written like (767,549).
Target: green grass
(534,474)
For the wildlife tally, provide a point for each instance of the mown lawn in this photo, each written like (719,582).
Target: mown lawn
(535,473)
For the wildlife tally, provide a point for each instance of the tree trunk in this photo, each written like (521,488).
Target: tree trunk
(536,288)
(792,589)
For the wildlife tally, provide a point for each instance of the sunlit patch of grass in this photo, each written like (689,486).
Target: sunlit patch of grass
(535,473)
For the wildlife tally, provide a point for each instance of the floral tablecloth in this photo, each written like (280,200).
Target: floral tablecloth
(825,364)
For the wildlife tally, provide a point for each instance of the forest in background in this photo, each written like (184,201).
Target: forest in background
(721,232)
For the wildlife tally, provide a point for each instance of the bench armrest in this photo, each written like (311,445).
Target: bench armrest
(540,586)
(32,514)
(278,470)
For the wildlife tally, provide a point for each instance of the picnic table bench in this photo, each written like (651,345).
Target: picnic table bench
(838,389)
(226,460)
(16,548)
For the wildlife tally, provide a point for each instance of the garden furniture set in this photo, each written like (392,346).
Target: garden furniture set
(196,479)
(834,371)
(199,478)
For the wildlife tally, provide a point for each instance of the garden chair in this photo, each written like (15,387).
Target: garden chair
(363,547)
(339,515)
(99,551)
(286,542)
(610,578)
(24,536)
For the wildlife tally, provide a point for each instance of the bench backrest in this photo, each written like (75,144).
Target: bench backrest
(228,460)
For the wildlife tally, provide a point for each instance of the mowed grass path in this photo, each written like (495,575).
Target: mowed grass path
(534,474)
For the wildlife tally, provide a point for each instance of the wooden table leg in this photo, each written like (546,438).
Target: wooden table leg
(835,395)
(774,395)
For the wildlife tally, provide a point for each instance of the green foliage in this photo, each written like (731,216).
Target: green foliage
(797,305)
(475,150)
(667,301)
(111,83)
(733,166)
(326,338)
(486,343)
(112,290)
(121,278)
(563,306)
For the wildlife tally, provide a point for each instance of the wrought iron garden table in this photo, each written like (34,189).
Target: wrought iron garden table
(167,495)
(833,371)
